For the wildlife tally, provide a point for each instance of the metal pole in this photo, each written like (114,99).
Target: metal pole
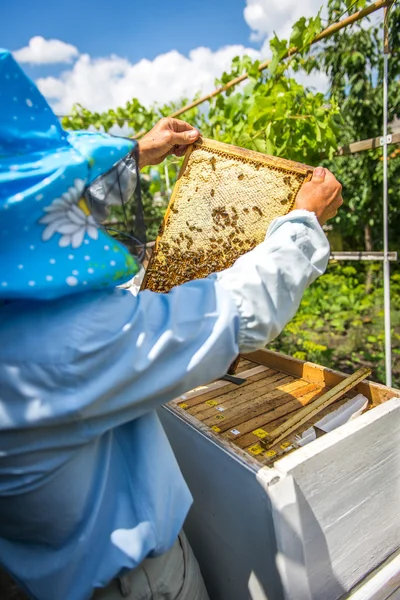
(386,263)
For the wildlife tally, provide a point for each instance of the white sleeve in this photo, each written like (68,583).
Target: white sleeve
(121,355)
(268,283)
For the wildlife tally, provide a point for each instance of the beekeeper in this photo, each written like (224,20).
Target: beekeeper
(92,502)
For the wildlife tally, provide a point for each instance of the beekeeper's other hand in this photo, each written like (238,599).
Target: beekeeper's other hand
(322,195)
(168,136)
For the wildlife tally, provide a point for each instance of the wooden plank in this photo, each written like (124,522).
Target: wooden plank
(244,365)
(233,388)
(231,401)
(216,388)
(264,408)
(310,411)
(298,386)
(316,418)
(248,439)
(320,375)
(277,451)
(240,396)
(261,387)
(246,410)
(288,444)
(228,447)
(369,144)
(279,409)
(252,156)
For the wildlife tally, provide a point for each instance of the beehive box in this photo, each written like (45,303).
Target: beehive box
(244,413)
(223,202)
(296,523)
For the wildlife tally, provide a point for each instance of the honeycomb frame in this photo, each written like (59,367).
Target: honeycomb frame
(184,250)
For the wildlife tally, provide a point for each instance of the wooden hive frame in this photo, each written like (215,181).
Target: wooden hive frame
(155,278)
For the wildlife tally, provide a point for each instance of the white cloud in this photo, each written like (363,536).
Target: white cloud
(265,17)
(41,52)
(103,83)
(316,81)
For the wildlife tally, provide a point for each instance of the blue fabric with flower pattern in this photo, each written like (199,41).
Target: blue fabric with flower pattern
(51,244)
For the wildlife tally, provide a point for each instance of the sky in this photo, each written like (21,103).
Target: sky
(102,53)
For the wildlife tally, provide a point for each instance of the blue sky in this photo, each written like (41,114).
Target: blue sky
(135,30)
(102,53)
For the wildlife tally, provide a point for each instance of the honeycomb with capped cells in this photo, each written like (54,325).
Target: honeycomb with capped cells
(223,202)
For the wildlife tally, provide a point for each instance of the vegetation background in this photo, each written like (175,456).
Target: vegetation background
(340,321)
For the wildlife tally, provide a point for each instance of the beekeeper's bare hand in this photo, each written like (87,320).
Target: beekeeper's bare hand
(169,136)
(322,195)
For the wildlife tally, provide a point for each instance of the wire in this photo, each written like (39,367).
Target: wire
(139,244)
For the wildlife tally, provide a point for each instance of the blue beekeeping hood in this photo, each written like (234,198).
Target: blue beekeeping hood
(51,245)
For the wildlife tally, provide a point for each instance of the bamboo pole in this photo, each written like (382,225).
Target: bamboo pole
(334,28)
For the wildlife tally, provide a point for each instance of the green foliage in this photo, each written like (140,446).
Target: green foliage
(133,113)
(277,116)
(353,61)
(279,51)
(340,322)
(272,113)
(340,326)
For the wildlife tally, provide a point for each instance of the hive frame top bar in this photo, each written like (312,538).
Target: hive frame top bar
(247,156)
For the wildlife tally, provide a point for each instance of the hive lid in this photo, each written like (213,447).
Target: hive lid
(222,204)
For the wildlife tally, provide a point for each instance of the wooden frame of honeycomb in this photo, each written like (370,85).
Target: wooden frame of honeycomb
(221,207)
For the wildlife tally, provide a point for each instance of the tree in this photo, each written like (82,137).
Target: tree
(353,61)
(273,113)
(337,324)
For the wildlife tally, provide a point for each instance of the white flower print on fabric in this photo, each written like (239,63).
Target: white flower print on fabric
(70,217)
